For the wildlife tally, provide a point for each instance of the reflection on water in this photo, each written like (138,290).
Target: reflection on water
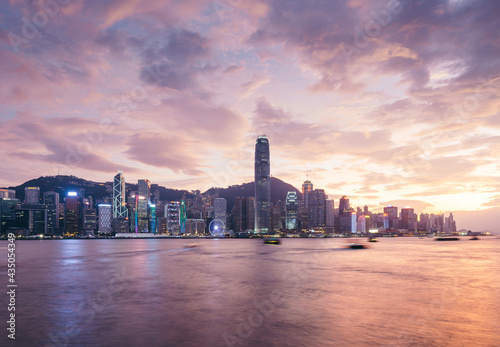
(304,292)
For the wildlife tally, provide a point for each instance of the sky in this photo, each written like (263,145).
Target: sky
(387,102)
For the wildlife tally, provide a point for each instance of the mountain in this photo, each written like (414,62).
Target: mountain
(279,189)
(63,184)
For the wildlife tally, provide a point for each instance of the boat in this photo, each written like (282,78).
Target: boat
(474,238)
(447,239)
(191,245)
(373,240)
(272,241)
(356,246)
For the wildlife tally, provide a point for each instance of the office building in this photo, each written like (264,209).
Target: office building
(119,206)
(51,202)
(32,195)
(72,213)
(7,194)
(144,188)
(291,211)
(105,214)
(307,187)
(220,207)
(262,185)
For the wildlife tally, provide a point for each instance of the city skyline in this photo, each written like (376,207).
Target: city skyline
(361,98)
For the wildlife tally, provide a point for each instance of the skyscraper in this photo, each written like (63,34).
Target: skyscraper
(7,194)
(317,208)
(262,185)
(32,195)
(104,211)
(330,213)
(220,207)
(72,213)
(307,187)
(144,187)
(292,210)
(51,201)
(119,209)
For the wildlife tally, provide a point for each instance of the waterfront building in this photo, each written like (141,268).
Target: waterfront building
(32,195)
(119,208)
(262,185)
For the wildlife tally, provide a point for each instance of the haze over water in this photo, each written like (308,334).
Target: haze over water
(399,292)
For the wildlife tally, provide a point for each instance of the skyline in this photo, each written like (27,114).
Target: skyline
(388,102)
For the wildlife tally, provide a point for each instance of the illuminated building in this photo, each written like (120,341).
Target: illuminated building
(173,215)
(7,219)
(144,188)
(152,209)
(353,222)
(72,213)
(292,211)
(119,208)
(32,195)
(51,201)
(392,212)
(262,185)
(195,227)
(307,187)
(7,194)
(220,209)
(89,220)
(104,211)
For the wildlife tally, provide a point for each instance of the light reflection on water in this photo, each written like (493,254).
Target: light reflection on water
(305,292)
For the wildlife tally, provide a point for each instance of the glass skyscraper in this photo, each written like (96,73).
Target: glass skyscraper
(119,208)
(262,185)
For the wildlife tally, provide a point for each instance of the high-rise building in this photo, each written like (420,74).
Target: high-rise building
(291,211)
(307,187)
(173,215)
(152,219)
(119,208)
(243,214)
(72,213)
(220,207)
(32,195)
(195,227)
(104,211)
(7,194)
(7,217)
(330,213)
(144,188)
(51,201)
(317,208)
(392,212)
(276,216)
(408,220)
(262,185)
(89,220)
(344,223)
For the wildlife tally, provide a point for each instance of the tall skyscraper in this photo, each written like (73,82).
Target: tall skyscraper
(173,216)
(262,185)
(330,213)
(72,213)
(307,187)
(392,212)
(119,208)
(144,187)
(317,208)
(104,211)
(408,220)
(32,195)
(292,211)
(51,201)
(220,207)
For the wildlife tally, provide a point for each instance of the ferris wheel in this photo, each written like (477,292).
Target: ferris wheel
(217,228)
